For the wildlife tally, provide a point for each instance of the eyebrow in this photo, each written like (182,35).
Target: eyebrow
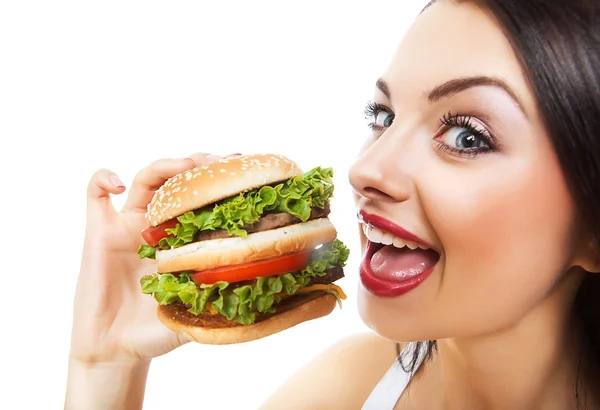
(383,87)
(452,87)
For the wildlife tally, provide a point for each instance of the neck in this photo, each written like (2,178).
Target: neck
(530,365)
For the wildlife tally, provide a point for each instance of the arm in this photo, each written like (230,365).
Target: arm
(106,386)
(116,331)
(342,377)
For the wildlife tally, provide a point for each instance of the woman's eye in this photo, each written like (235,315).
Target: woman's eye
(464,139)
(383,119)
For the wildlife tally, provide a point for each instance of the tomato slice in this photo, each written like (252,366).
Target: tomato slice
(154,234)
(252,270)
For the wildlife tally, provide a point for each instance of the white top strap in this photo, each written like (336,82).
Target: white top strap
(391,386)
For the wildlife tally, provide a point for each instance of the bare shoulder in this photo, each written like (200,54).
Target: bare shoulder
(342,377)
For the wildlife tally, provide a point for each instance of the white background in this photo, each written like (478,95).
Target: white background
(118,84)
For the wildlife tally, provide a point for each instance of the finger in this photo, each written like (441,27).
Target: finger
(202,158)
(148,180)
(103,183)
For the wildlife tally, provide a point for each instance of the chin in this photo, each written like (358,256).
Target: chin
(385,317)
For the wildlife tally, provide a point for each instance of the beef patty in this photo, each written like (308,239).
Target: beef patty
(265,223)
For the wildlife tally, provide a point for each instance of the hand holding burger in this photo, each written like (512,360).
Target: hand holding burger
(244,249)
(116,332)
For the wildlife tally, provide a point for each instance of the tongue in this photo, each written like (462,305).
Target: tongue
(395,264)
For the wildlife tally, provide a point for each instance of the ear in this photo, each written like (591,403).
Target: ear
(589,258)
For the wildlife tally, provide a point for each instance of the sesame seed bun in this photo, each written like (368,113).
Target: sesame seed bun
(198,256)
(210,183)
(216,329)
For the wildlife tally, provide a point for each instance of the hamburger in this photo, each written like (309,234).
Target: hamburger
(244,249)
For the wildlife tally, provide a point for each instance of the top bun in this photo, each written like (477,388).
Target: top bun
(212,182)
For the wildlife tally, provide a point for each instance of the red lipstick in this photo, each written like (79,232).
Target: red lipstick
(387,288)
(400,285)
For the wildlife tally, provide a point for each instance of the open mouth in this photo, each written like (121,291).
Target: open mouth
(392,264)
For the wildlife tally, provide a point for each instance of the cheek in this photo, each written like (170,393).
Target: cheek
(506,230)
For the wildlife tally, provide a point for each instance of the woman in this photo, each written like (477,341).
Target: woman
(486,148)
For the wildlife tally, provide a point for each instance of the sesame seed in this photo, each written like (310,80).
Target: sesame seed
(195,192)
(232,173)
(223,170)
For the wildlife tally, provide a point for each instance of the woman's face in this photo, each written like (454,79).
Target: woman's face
(459,158)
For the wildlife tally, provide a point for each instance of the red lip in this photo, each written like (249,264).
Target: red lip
(386,288)
(389,226)
(381,287)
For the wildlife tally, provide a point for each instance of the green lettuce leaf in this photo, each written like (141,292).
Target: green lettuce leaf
(296,196)
(147,251)
(243,303)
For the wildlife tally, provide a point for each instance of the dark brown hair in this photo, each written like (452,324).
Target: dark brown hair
(558,45)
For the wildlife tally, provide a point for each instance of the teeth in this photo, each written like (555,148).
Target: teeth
(378,236)
(387,239)
(399,243)
(412,245)
(374,234)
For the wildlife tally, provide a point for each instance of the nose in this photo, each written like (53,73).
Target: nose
(382,171)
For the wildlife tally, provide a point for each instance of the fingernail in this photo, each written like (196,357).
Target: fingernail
(233,155)
(116,181)
(212,157)
(181,159)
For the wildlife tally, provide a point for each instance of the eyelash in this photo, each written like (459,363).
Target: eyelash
(371,111)
(448,121)
(465,121)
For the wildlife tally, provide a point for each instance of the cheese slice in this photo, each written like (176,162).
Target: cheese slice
(312,288)
(211,309)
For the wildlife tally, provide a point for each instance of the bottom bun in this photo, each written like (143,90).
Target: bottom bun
(216,329)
